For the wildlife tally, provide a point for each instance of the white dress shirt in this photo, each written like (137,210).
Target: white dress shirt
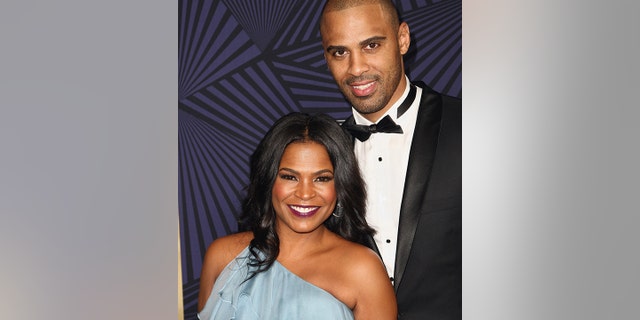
(383,161)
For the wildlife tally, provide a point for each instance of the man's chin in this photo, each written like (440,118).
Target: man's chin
(359,100)
(366,109)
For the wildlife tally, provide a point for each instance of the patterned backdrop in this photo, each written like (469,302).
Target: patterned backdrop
(245,63)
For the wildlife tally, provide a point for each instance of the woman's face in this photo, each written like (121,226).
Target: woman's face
(304,193)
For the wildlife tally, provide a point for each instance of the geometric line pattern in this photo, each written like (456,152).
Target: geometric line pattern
(190,291)
(210,182)
(243,64)
(405,6)
(261,19)
(438,47)
(211,44)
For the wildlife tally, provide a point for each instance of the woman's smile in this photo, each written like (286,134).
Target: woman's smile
(303,211)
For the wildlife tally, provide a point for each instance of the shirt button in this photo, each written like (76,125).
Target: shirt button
(380,159)
(391,278)
(388,241)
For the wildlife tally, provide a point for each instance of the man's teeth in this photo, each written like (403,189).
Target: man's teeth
(364,86)
(303,209)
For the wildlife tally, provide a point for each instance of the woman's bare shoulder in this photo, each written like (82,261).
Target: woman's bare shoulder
(357,262)
(366,277)
(226,248)
(359,279)
(357,253)
(222,250)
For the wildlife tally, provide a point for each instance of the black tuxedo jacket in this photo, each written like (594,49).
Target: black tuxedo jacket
(428,270)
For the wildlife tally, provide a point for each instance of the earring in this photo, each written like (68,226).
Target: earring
(338,210)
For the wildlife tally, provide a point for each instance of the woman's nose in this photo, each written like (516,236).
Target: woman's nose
(305,190)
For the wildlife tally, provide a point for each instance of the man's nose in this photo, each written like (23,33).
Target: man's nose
(358,64)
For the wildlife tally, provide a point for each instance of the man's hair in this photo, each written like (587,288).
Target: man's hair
(388,7)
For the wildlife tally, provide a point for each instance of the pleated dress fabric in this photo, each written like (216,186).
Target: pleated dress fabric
(273,294)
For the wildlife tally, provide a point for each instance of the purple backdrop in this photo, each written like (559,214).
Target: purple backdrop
(245,63)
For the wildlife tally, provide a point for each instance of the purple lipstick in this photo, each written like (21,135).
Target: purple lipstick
(303,211)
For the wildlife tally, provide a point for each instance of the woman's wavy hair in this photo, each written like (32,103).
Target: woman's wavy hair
(258,214)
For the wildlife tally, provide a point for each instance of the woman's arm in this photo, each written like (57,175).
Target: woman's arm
(210,271)
(218,255)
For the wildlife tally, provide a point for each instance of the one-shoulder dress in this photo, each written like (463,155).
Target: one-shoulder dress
(273,294)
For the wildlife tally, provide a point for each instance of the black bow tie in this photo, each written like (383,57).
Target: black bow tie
(363,132)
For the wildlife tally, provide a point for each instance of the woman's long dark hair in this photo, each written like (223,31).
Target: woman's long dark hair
(258,214)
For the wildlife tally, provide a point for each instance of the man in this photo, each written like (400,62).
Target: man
(413,173)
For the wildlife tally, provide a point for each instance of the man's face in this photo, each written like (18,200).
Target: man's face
(364,54)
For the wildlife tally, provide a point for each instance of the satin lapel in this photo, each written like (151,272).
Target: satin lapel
(423,148)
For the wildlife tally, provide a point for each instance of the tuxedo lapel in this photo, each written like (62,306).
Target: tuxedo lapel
(423,149)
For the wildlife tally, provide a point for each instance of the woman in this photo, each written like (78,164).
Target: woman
(306,211)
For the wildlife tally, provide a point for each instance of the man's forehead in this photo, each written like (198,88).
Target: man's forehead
(366,8)
(342,25)
(346,4)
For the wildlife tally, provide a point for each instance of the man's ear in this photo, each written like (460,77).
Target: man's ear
(404,38)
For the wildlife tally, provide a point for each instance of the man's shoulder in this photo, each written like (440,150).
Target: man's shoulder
(446,99)
(448,106)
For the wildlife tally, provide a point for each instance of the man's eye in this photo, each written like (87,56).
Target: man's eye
(372,45)
(339,53)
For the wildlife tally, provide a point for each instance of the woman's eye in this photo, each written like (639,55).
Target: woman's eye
(287,177)
(324,179)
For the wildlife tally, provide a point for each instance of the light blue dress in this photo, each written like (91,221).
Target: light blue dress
(273,294)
